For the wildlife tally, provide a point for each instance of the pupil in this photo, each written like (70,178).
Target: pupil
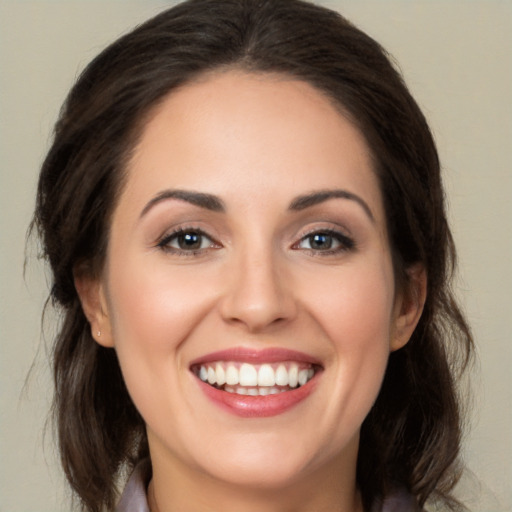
(189,241)
(321,241)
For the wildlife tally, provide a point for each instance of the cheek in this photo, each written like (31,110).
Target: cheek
(355,304)
(356,316)
(153,309)
(360,333)
(154,306)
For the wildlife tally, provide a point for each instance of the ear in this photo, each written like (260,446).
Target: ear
(91,292)
(409,306)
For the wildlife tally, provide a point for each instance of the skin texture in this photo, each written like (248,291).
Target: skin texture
(257,142)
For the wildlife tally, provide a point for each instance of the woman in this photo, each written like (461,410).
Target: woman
(243,213)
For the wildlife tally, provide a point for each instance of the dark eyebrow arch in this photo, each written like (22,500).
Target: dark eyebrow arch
(207,201)
(320,196)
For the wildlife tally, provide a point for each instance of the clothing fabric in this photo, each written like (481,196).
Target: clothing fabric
(134,498)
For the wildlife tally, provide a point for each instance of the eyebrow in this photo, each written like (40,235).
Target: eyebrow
(207,201)
(213,203)
(320,196)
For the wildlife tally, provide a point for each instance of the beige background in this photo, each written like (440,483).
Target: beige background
(457,59)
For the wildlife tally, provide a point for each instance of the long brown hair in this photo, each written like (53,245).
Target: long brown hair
(411,437)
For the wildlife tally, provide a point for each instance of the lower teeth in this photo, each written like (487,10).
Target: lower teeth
(259,391)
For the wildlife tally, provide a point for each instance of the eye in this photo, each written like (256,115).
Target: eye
(325,241)
(186,241)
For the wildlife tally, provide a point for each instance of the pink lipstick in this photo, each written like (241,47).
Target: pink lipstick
(256,383)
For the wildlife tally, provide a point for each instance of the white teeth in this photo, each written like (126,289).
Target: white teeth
(303,377)
(263,391)
(281,376)
(293,376)
(248,375)
(211,376)
(249,379)
(266,375)
(221,374)
(231,375)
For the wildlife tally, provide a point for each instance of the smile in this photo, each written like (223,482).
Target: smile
(256,383)
(255,379)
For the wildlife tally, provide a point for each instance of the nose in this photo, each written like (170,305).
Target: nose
(258,293)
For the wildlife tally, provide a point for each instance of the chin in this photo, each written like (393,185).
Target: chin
(271,475)
(273,461)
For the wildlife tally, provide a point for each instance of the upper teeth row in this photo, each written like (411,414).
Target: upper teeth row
(247,374)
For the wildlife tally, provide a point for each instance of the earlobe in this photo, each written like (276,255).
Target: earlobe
(92,297)
(409,306)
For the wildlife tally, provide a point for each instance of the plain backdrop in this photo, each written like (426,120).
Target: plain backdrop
(457,59)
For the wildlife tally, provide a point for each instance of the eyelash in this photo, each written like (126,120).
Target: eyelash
(164,243)
(344,242)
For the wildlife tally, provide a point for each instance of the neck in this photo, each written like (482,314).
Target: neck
(175,487)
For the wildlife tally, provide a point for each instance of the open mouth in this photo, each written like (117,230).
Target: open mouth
(255,379)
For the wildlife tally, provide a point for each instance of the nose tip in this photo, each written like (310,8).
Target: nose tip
(258,297)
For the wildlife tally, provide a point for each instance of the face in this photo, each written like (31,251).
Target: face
(249,290)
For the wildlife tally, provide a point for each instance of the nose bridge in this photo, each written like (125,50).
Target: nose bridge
(257,294)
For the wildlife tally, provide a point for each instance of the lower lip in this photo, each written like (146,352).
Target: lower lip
(258,406)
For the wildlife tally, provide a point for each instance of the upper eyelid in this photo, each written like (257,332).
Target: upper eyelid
(326,228)
(330,232)
(170,235)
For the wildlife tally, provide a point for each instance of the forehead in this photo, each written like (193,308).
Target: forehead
(233,132)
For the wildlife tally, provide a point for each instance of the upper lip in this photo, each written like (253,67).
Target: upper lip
(254,356)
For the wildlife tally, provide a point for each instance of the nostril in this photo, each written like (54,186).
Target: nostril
(257,312)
